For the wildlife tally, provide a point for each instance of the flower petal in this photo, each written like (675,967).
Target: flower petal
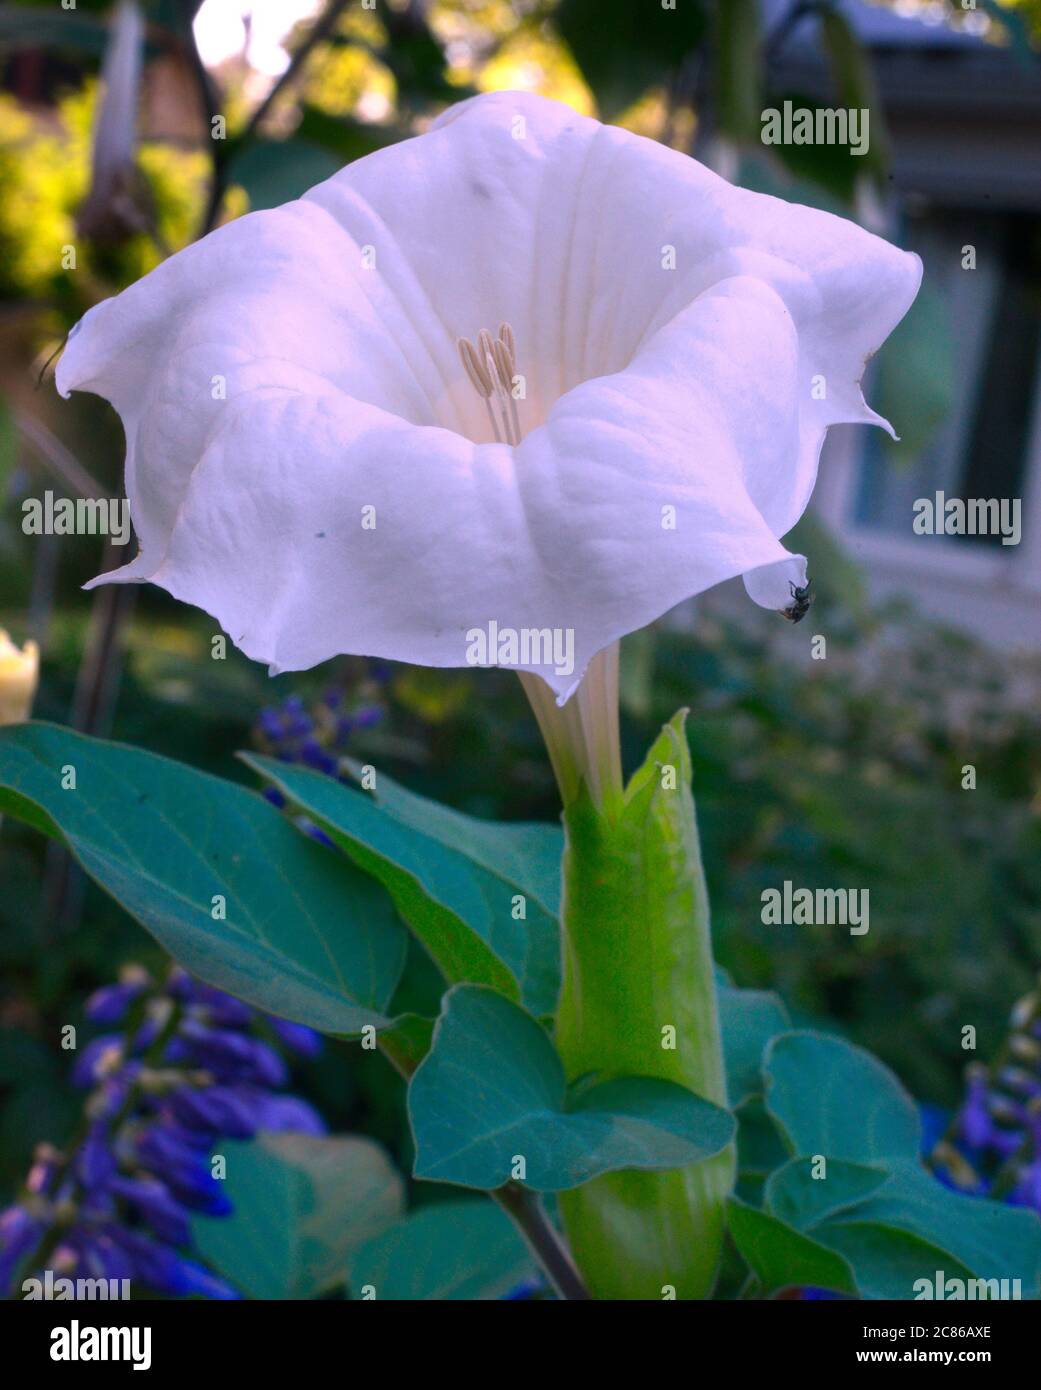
(684,344)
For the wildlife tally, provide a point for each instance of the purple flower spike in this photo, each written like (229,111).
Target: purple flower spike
(128,1190)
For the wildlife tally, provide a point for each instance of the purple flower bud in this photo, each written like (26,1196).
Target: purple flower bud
(153,1200)
(234,1054)
(367,716)
(313,755)
(297,1037)
(270,723)
(19,1235)
(974,1123)
(99,1256)
(223,1009)
(183,1168)
(46,1163)
(110,1003)
(98,1058)
(1027,1192)
(147,1034)
(1006,1142)
(287,1113)
(165,1271)
(94,1163)
(218,1110)
(114,1091)
(181,985)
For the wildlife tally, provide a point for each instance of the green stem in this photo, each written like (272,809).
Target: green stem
(639,998)
(582,736)
(639,992)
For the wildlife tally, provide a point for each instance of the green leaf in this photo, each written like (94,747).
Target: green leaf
(896,1224)
(492,1089)
(991,1240)
(829,1097)
(796,1196)
(454,1250)
(748,1019)
(454,879)
(302,1203)
(306,936)
(759,1146)
(887,1262)
(783,1258)
(408,1041)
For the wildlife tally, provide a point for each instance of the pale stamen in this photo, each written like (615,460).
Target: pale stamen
(491,366)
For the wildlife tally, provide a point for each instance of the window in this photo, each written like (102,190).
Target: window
(982,449)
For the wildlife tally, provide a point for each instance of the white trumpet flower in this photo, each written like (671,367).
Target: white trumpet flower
(333,446)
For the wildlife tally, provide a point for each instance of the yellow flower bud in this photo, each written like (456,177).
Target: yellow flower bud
(19,672)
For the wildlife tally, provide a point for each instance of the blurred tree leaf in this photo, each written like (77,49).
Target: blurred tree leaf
(833,167)
(737,88)
(343,137)
(24,26)
(1016,24)
(833,572)
(623,48)
(915,375)
(856,86)
(8,444)
(275,171)
(415,56)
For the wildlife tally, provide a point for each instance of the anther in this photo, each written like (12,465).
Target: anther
(491,366)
